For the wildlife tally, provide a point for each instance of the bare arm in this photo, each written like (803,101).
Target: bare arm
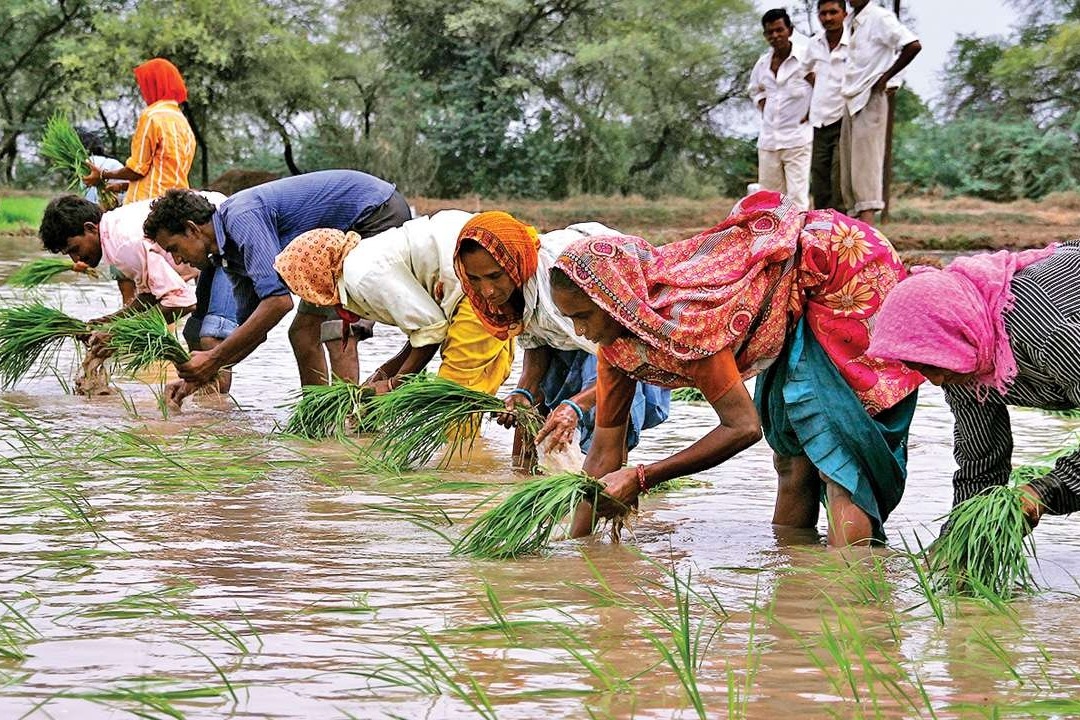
(204,365)
(907,54)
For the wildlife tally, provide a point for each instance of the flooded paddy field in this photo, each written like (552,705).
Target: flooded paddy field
(199,566)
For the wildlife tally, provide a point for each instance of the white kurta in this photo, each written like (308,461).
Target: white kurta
(544,325)
(405,277)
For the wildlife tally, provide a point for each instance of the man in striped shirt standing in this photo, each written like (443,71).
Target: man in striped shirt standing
(239,241)
(994,331)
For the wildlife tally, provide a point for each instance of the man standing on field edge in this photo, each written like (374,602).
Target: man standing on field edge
(780,85)
(879,47)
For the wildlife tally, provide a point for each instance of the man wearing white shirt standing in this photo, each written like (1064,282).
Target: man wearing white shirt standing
(879,47)
(828,53)
(781,84)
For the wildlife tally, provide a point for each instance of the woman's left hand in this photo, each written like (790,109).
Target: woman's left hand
(558,430)
(620,492)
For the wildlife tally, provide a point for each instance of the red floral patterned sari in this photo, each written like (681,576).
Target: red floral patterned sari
(762,269)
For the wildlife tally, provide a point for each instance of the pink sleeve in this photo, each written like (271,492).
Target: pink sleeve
(153,275)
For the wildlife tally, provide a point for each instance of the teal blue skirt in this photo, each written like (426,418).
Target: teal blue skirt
(807,408)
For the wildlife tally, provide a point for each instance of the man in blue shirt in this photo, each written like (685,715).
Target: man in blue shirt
(243,237)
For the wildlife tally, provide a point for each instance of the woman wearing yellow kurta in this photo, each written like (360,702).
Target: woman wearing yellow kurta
(402,277)
(163,146)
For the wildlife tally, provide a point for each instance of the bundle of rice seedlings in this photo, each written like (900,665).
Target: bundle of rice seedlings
(429,412)
(524,522)
(61,146)
(32,334)
(138,341)
(324,411)
(983,552)
(687,394)
(38,272)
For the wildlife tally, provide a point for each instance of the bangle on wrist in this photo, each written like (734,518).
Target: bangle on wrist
(576,408)
(642,487)
(525,394)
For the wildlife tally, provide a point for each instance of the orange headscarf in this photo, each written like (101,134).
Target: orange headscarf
(516,248)
(160,80)
(311,264)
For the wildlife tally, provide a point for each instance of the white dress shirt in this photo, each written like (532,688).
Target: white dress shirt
(827,103)
(875,37)
(787,99)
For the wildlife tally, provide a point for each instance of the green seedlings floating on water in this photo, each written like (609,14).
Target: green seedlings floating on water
(525,522)
(984,551)
(428,412)
(40,271)
(332,410)
(138,341)
(30,335)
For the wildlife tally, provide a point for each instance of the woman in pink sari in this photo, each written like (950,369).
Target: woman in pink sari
(774,292)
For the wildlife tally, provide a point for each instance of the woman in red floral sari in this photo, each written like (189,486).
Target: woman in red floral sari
(774,292)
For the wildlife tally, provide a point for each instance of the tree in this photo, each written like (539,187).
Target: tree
(31,74)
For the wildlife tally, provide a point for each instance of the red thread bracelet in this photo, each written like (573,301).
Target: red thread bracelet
(641,479)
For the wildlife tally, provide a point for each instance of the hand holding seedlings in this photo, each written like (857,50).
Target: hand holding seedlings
(513,402)
(559,427)
(1032,505)
(621,490)
(200,369)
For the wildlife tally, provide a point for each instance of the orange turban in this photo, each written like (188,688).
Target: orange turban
(159,79)
(311,264)
(515,246)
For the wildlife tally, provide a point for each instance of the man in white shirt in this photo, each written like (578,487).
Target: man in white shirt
(780,85)
(879,47)
(828,53)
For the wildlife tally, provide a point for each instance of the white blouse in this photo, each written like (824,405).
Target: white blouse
(544,325)
(405,277)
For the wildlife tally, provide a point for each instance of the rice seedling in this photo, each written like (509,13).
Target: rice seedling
(433,672)
(323,411)
(15,632)
(38,272)
(983,552)
(525,522)
(148,697)
(61,146)
(138,341)
(429,412)
(689,643)
(687,395)
(32,334)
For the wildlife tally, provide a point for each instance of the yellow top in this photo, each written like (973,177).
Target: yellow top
(162,150)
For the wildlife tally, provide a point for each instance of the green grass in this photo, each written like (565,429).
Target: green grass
(30,335)
(323,411)
(525,522)
(427,413)
(139,341)
(984,552)
(38,272)
(21,212)
(687,394)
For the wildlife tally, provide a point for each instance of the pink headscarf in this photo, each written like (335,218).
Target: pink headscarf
(955,318)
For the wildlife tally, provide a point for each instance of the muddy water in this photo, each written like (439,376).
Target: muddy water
(286,584)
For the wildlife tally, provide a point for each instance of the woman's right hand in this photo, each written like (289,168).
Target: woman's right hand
(507,418)
(1032,504)
(93,178)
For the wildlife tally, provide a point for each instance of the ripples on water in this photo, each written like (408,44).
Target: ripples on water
(280,568)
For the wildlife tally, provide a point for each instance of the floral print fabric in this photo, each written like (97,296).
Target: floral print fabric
(691,299)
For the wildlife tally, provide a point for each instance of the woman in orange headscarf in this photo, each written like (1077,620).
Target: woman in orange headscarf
(163,146)
(503,267)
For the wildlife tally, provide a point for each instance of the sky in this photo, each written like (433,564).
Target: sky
(937,23)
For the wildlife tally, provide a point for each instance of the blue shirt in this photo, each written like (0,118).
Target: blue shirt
(254,225)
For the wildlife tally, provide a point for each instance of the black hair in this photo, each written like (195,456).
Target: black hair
(823,3)
(90,141)
(469,245)
(64,218)
(172,211)
(776,14)
(561,281)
